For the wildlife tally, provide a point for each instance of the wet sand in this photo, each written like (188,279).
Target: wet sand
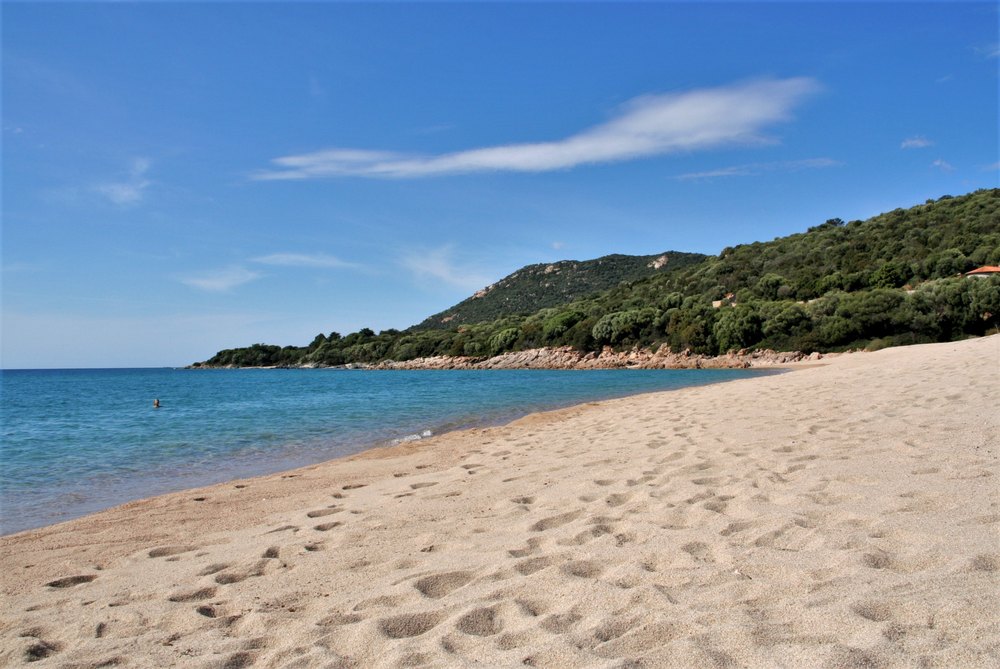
(842,515)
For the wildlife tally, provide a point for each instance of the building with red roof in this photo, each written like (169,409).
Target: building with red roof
(987,270)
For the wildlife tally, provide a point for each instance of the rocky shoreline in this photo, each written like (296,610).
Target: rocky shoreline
(569,358)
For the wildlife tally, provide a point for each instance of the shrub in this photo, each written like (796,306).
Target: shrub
(737,327)
(503,340)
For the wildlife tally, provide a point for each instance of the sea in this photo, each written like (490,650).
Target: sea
(75,441)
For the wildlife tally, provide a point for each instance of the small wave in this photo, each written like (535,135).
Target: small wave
(411,437)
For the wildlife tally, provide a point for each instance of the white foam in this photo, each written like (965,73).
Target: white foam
(412,437)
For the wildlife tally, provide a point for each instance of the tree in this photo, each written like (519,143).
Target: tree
(503,340)
(623,327)
(891,274)
(737,327)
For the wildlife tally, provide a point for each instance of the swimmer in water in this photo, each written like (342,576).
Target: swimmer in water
(156,404)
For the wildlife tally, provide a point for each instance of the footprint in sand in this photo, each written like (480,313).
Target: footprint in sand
(409,624)
(530,566)
(239,660)
(598,530)
(532,547)
(612,629)
(258,569)
(699,550)
(208,611)
(40,650)
(987,563)
(339,619)
(437,586)
(716,505)
(875,611)
(555,521)
(193,596)
(167,551)
(560,623)
(213,569)
(284,528)
(736,527)
(530,607)
(70,581)
(583,569)
(480,622)
(319,513)
(617,499)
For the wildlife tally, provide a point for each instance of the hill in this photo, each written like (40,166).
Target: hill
(541,286)
(896,278)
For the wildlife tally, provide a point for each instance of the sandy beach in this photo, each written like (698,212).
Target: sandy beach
(841,515)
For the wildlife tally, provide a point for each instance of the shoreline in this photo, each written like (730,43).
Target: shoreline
(857,497)
(566,357)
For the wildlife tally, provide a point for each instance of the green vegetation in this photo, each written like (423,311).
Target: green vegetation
(542,286)
(893,279)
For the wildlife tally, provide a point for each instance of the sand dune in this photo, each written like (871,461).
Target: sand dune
(846,515)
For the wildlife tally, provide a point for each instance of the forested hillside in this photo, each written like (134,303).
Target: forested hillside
(896,278)
(548,285)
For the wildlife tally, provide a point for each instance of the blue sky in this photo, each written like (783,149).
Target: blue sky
(180,178)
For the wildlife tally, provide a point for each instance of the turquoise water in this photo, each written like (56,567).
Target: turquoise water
(76,441)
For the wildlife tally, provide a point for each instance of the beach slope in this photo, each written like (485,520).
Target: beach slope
(843,515)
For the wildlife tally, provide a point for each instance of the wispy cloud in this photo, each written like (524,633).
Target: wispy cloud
(756,169)
(943,165)
(992,168)
(988,50)
(318,260)
(645,126)
(916,142)
(132,189)
(439,264)
(222,280)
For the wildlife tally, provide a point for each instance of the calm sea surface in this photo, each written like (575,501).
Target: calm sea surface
(77,441)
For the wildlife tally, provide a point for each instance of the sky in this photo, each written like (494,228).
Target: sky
(179,178)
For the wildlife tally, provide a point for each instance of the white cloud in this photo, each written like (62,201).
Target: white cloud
(755,169)
(943,165)
(132,189)
(916,142)
(558,245)
(438,264)
(646,126)
(222,280)
(988,50)
(303,260)
(992,168)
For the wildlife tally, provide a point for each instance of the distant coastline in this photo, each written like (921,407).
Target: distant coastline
(566,357)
